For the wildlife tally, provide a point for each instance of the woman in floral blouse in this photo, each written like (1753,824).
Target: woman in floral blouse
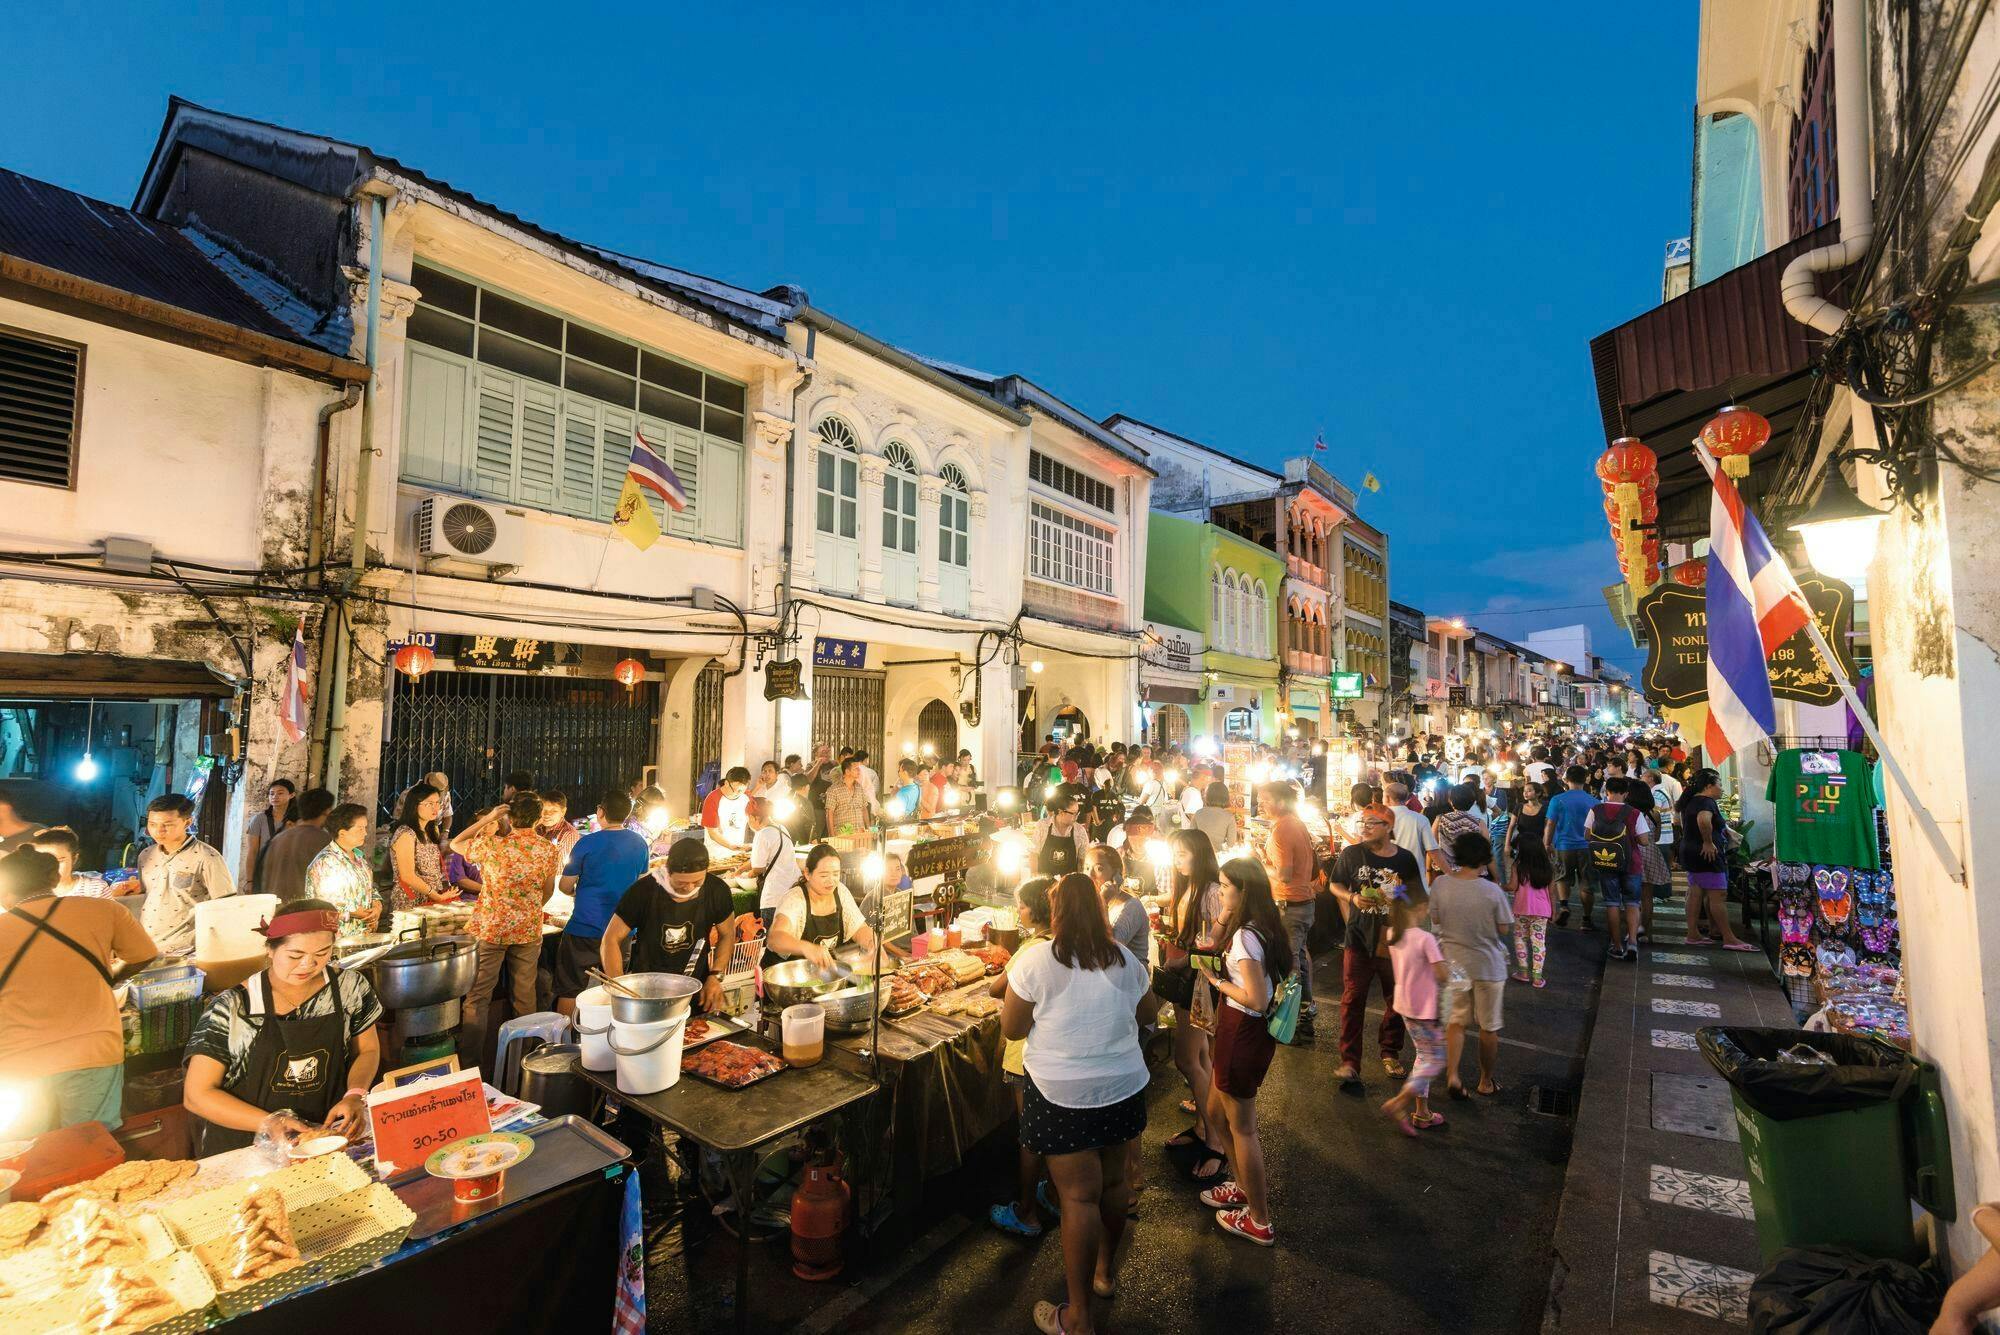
(340,875)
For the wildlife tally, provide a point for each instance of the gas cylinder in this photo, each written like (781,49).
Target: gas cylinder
(819,1217)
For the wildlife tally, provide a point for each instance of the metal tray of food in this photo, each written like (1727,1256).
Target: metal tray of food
(566,1148)
(715,1026)
(733,1087)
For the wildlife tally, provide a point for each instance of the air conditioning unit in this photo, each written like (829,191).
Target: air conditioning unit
(477,532)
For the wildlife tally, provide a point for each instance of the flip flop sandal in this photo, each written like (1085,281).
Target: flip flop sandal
(1457,1092)
(1185,1139)
(1187,1106)
(1353,1088)
(1394,1069)
(1432,1123)
(1492,1093)
(1221,1162)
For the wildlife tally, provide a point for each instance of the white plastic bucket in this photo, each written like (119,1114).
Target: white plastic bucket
(593,1027)
(649,1055)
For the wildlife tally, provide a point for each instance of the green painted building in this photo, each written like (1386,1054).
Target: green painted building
(1226,589)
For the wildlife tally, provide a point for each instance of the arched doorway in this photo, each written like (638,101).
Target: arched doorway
(1069,725)
(1170,726)
(937,730)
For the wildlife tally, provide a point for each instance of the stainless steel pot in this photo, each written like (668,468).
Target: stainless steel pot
(662,996)
(428,972)
(848,1009)
(795,982)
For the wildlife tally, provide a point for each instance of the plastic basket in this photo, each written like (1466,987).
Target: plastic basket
(41,1269)
(335,1237)
(59,1309)
(303,1185)
(161,987)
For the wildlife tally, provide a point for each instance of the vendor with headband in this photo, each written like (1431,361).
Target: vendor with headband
(292,1046)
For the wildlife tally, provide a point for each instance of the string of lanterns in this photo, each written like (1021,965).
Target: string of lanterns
(1630,474)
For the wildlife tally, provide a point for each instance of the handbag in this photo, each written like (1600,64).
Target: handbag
(1283,1014)
(1175,985)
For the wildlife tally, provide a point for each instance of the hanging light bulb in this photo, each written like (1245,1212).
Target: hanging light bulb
(86,768)
(1840,529)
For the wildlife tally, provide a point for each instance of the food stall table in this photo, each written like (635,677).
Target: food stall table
(737,1123)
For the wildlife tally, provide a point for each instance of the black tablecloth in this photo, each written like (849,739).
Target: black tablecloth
(548,1264)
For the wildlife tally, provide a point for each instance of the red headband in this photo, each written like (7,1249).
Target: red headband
(301,920)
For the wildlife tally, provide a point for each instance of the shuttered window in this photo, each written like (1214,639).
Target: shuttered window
(40,382)
(513,403)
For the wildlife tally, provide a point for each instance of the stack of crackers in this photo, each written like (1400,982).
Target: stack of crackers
(29,1223)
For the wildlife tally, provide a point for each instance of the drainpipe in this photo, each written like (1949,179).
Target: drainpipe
(336,714)
(785,557)
(316,545)
(1799,286)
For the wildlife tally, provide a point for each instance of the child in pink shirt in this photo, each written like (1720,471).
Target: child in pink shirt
(1420,973)
(1532,878)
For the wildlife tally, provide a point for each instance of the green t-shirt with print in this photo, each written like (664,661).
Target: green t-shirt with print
(1825,807)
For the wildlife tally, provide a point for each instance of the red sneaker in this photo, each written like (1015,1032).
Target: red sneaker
(1224,1195)
(1242,1225)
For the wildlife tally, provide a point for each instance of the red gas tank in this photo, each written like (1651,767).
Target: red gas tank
(819,1217)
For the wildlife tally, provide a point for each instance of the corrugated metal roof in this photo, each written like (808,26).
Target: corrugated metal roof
(59,229)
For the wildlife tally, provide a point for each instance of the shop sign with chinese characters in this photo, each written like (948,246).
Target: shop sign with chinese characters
(1676,622)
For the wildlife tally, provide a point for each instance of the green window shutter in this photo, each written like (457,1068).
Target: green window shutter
(721,508)
(579,457)
(434,435)
(685,460)
(493,448)
(539,468)
(617,438)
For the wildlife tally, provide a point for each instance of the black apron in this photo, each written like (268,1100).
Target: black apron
(822,929)
(682,935)
(296,1064)
(1057,856)
(41,927)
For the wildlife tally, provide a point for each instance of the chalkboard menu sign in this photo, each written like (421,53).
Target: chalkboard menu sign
(945,857)
(1676,622)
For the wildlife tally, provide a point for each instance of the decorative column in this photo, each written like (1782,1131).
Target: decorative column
(930,491)
(873,471)
(986,599)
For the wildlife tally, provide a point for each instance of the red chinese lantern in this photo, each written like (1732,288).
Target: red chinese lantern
(1733,435)
(1693,573)
(628,672)
(1649,506)
(1626,459)
(414,660)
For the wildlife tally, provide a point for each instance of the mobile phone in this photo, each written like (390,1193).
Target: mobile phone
(1200,960)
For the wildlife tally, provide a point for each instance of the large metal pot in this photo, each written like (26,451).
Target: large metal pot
(427,972)
(848,1009)
(662,996)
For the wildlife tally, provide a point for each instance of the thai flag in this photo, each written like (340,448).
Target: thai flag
(1319,441)
(1754,605)
(650,471)
(295,710)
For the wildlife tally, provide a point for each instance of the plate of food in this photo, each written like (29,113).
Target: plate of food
(706,1029)
(731,1065)
(477,1166)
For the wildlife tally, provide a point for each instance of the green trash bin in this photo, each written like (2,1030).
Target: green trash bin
(1823,1143)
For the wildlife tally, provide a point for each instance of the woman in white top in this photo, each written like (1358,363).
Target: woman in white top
(819,917)
(1214,818)
(774,859)
(1075,999)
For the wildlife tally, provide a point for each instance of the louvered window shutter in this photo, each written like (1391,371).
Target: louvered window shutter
(38,394)
(686,463)
(537,484)
(493,451)
(617,455)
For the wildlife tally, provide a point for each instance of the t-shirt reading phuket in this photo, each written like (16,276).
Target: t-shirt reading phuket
(1083,1051)
(1825,807)
(668,934)
(1365,872)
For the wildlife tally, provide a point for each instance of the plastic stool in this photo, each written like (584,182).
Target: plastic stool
(545,1025)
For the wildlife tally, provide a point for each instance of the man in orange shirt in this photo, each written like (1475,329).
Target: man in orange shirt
(516,869)
(59,1026)
(1288,856)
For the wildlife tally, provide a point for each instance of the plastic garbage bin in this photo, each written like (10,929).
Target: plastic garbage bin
(1822,1141)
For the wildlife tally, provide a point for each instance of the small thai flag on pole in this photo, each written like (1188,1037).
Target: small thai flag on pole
(1319,440)
(652,472)
(295,713)
(1753,607)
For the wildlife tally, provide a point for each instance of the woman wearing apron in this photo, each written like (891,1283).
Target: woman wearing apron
(1058,844)
(295,1040)
(674,915)
(819,916)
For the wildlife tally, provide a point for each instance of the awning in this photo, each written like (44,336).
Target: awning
(1158,693)
(1663,375)
(108,677)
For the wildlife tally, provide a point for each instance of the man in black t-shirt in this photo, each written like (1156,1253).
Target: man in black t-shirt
(673,915)
(1365,877)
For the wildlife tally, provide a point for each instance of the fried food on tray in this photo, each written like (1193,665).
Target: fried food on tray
(91,1235)
(19,1221)
(142,1179)
(261,1239)
(121,1302)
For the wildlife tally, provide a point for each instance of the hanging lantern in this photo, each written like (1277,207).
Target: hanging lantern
(1733,435)
(628,672)
(1626,459)
(414,660)
(1649,507)
(1692,572)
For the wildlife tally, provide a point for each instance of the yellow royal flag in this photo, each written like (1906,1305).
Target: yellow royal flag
(634,520)
(1371,482)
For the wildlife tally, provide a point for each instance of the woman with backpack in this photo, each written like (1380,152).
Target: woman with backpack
(1257,959)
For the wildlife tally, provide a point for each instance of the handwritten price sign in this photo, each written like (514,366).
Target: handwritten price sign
(411,1122)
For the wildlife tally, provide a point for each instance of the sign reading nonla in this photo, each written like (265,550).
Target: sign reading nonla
(1676,621)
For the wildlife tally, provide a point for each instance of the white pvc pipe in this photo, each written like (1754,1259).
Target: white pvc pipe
(1799,286)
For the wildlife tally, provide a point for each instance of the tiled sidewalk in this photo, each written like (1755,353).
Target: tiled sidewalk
(1655,1232)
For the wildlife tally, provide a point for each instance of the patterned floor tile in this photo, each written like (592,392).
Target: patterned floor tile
(1675,1038)
(1683,957)
(1701,1191)
(1707,1010)
(1699,1287)
(1683,980)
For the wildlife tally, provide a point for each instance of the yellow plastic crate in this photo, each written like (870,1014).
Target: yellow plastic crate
(336,1237)
(59,1310)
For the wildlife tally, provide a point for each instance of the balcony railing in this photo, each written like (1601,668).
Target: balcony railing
(1311,665)
(1302,568)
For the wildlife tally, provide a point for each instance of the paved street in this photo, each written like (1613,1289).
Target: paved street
(1450,1232)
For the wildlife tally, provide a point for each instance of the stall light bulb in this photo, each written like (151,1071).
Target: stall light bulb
(1048,792)
(13,1105)
(86,769)
(1008,859)
(1307,811)
(1171,776)
(1260,772)
(894,809)
(656,820)
(1159,852)
(1035,666)
(928,750)
(909,748)
(873,866)
(1319,748)
(1005,801)
(1205,746)
(784,808)
(952,797)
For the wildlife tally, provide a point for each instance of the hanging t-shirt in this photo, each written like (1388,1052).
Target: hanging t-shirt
(1825,806)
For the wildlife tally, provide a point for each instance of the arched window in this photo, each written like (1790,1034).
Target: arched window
(1215,605)
(1262,609)
(1232,615)
(838,480)
(899,501)
(954,518)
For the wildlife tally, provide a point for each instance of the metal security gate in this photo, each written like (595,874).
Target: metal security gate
(937,728)
(847,711)
(1170,726)
(578,735)
(707,722)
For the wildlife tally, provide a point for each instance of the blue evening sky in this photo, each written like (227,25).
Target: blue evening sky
(1398,225)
